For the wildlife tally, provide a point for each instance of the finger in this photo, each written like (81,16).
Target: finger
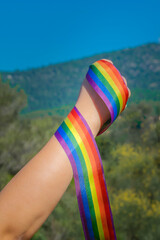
(124,80)
(127,87)
(108,60)
(129,92)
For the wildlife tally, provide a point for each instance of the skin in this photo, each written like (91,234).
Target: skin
(33,193)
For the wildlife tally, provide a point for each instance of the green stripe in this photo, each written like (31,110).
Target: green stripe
(107,85)
(85,176)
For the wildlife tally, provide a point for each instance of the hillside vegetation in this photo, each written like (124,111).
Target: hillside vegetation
(130,148)
(55,86)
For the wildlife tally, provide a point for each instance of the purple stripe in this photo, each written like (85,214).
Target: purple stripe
(95,144)
(102,95)
(76,181)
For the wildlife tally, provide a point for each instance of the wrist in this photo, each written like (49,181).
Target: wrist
(92,107)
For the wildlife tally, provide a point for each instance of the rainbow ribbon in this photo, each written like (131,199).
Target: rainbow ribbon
(78,142)
(107,81)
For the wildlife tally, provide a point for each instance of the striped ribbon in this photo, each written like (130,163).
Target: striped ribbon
(78,142)
(110,86)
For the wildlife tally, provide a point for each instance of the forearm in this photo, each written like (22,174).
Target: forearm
(33,193)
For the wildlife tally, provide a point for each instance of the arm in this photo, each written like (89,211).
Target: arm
(29,198)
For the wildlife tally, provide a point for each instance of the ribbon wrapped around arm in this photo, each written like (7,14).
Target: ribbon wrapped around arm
(77,140)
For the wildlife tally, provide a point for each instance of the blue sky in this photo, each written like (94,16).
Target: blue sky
(35,33)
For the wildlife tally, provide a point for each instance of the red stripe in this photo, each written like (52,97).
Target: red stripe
(83,136)
(120,79)
(100,174)
(115,80)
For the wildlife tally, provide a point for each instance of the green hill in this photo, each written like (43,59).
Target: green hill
(129,148)
(56,86)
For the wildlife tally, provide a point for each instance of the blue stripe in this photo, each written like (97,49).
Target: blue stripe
(81,179)
(104,90)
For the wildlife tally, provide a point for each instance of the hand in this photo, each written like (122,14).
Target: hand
(92,107)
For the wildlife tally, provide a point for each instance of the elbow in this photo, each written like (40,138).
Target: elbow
(10,234)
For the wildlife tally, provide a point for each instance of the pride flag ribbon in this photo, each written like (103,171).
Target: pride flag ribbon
(77,140)
(107,81)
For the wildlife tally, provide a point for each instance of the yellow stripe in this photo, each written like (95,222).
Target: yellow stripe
(111,82)
(90,176)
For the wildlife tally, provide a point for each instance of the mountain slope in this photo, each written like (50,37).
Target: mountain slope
(58,85)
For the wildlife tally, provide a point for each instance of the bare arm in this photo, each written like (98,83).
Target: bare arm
(29,198)
(33,193)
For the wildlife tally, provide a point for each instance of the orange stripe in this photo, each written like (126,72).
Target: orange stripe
(95,175)
(116,81)
(118,76)
(100,174)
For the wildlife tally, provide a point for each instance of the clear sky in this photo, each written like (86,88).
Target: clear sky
(35,33)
